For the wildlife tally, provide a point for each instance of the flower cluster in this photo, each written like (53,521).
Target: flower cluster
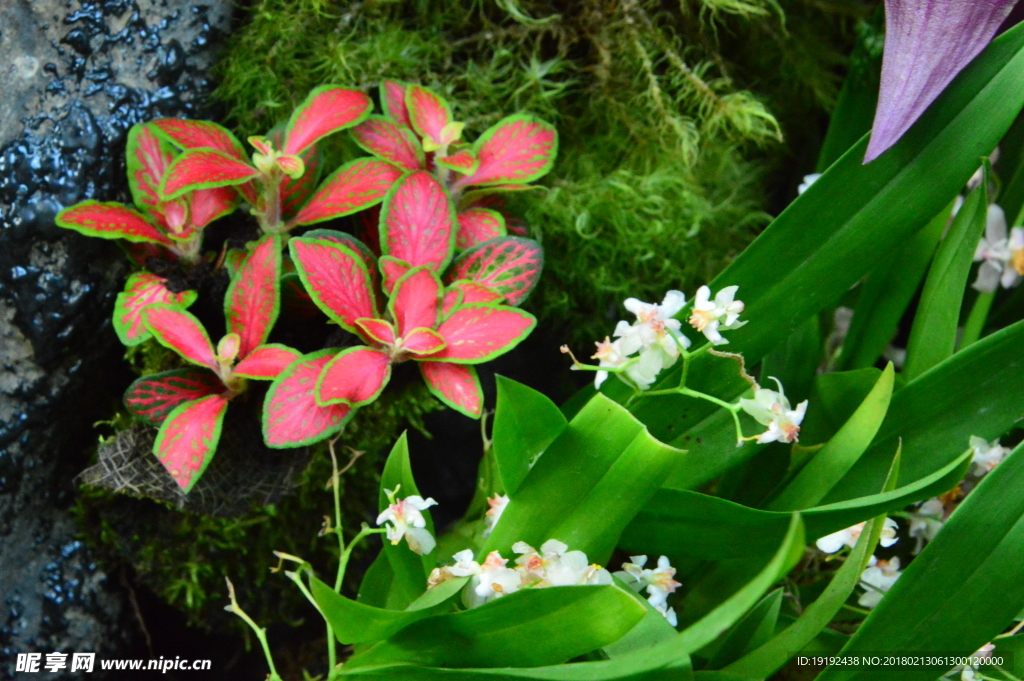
(403,519)
(654,341)
(658,582)
(877,579)
(553,565)
(1001,256)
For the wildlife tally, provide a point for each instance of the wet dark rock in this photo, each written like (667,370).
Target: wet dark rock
(75,75)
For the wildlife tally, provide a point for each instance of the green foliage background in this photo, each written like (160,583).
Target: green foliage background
(683,124)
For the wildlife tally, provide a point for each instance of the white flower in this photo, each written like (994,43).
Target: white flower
(987,455)
(493,581)
(497,505)
(967,672)
(772,409)
(723,312)
(465,566)
(926,521)
(848,537)
(611,355)
(654,326)
(658,582)
(877,579)
(1001,258)
(405,520)
(808,181)
(668,613)
(553,565)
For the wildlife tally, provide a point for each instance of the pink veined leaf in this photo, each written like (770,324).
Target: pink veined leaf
(509,265)
(142,289)
(452,299)
(518,149)
(204,169)
(291,415)
(353,187)
(178,330)
(415,300)
(392,269)
(355,245)
(147,159)
(392,97)
(473,292)
(428,113)
(480,332)
(206,205)
(266,361)
(111,221)
(423,342)
(417,222)
(253,299)
(188,134)
(376,331)
(390,141)
(188,438)
(456,385)
(464,161)
(327,109)
(356,376)
(336,278)
(478,225)
(151,398)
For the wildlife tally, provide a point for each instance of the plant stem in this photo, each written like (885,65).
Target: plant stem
(261,633)
(976,320)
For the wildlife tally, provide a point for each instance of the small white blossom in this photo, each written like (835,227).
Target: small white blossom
(709,316)
(610,355)
(969,672)
(497,505)
(987,455)
(465,566)
(926,521)
(659,582)
(493,581)
(405,519)
(877,579)
(808,181)
(772,409)
(653,335)
(848,537)
(1001,257)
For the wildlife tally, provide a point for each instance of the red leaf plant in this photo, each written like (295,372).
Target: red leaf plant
(172,230)
(417,132)
(444,327)
(189,404)
(279,180)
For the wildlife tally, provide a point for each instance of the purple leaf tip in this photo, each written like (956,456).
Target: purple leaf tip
(927,42)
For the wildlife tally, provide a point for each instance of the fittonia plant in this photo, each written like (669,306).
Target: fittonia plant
(437,282)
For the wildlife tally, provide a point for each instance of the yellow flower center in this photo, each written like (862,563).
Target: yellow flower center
(701,318)
(1017,260)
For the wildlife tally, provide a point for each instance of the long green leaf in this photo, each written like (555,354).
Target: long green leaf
(933,335)
(849,220)
(750,632)
(836,458)
(685,523)
(588,484)
(529,628)
(710,626)
(963,589)
(525,423)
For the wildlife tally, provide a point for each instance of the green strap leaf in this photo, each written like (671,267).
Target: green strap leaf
(835,459)
(933,335)
(756,627)
(526,422)
(532,627)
